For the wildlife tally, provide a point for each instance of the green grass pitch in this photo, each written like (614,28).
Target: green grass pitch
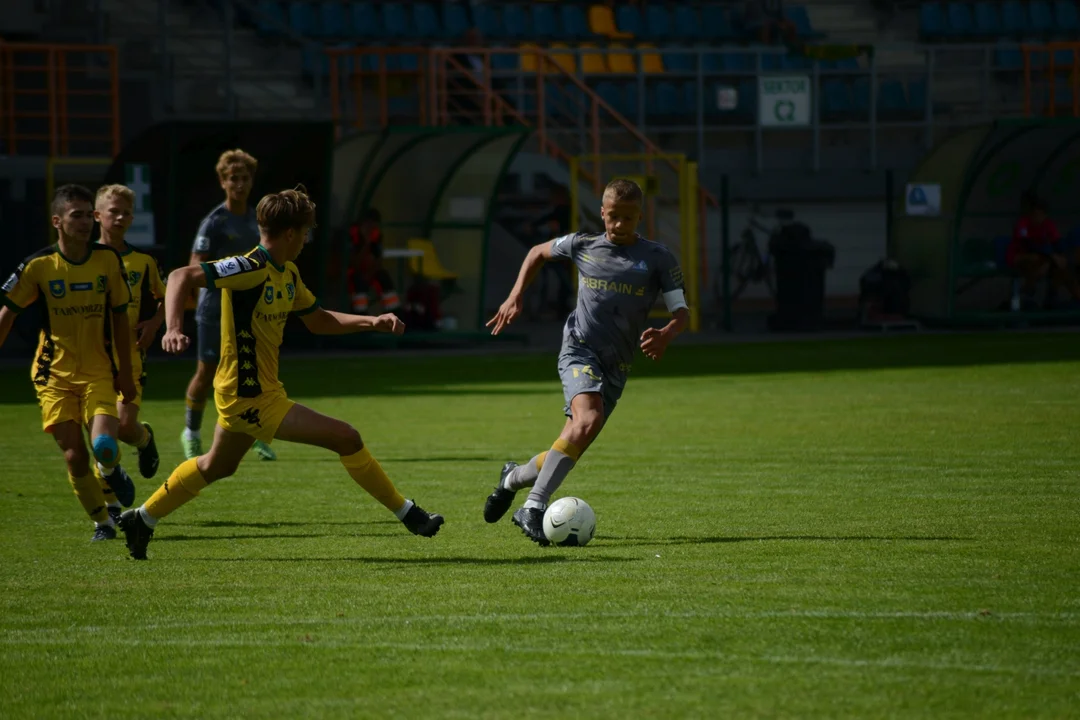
(864,528)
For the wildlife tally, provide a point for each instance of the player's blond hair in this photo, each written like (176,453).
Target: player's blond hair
(621,190)
(108,191)
(285,210)
(231,158)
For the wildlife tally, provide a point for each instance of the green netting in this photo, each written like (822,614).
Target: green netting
(954,258)
(437,184)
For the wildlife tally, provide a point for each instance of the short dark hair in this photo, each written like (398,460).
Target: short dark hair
(66,194)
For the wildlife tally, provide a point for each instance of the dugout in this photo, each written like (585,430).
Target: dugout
(436,184)
(954,251)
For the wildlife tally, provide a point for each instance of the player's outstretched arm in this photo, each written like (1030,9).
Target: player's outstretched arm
(328,322)
(182,282)
(654,341)
(7,319)
(511,308)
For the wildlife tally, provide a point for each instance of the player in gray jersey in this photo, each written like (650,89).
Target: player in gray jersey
(229,229)
(621,275)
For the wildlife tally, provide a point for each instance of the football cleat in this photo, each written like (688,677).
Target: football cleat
(148,456)
(419,522)
(137,534)
(122,486)
(114,513)
(501,498)
(531,522)
(264,451)
(192,445)
(103,532)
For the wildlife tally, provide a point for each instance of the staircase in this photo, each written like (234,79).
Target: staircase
(185,53)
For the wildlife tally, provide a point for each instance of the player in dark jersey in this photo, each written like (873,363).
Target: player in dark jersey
(621,275)
(229,229)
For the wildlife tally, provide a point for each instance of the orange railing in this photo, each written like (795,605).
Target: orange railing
(1048,67)
(463,86)
(59,100)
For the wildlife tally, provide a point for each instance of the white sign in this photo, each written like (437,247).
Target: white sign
(141,232)
(727,98)
(923,199)
(783,100)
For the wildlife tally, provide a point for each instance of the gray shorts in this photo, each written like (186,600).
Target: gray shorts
(581,372)
(208,341)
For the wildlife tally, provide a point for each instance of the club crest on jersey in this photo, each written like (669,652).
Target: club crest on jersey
(268,296)
(101,284)
(290,290)
(57,289)
(133,278)
(641,266)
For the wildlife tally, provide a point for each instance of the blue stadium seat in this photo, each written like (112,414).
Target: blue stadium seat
(426,21)
(797,62)
(1068,22)
(931,21)
(843,64)
(302,17)
(800,18)
(270,17)
(630,105)
(657,23)
(987,19)
(891,100)
(455,20)
(396,20)
(333,20)
(916,93)
(574,24)
(403,62)
(677,62)
(688,25)
(628,19)
(611,93)
(486,19)
(835,99)
(314,62)
(860,97)
(959,17)
(737,62)
(716,23)
(1007,56)
(664,100)
(515,23)
(366,22)
(505,61)
(688,93)
(544,23)
(1041,17)
(1014,17)
(772,61)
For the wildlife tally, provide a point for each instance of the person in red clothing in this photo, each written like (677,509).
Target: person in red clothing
(366,273)
(1035,251)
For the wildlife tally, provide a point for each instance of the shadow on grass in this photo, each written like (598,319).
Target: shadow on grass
(282,524)
(542,560)
(264,536)
(631,541)
(454,376)
(382,459)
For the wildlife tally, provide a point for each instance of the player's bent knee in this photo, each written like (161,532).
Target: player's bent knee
(106,450)
(217,468)
(348,440)
(77,460)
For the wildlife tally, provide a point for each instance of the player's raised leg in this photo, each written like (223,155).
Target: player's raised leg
(199,388)
(140,436)
(304,425)
(69,438)
(513,477)
(183,485)
(104,430)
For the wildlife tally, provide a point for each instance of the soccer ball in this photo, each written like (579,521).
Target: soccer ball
(569,521)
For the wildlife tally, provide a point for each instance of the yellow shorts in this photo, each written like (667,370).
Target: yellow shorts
(64,400)
(258,417)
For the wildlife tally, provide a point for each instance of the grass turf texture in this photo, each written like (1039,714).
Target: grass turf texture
(881,527)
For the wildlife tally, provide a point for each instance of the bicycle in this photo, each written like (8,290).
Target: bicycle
(750,263)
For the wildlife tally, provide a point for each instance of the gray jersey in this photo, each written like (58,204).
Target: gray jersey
(617,288)
(221,235)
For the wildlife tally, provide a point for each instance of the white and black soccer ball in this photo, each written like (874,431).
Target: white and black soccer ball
(569,521)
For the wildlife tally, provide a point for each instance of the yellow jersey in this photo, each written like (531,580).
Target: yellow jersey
(76,337)
(147,286)
(257,298)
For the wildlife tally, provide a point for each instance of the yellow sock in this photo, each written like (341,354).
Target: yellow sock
(568,449)
(144,437)
(89,494)
(183,485)
(540,461)
(368,474)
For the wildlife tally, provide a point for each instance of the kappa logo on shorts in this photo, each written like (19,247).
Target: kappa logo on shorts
(587,371)
(57,289)
(251,417)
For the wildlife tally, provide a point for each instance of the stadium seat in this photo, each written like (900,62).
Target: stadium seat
(486,19)
(688,25)
(987,19)
(960,21)
(931,21)
(515,24)
(835,99)
(1007,56)
(651,62)
(620,60)
(270,18)
(602,22)
(455,20)
(302,18)
(631,106)
(562,59)
(314,62)
(611,93)
(1068,22)
(505,62)
(800,18)
(429,265)
(680,62)
(574,24)
(1041,17)
(891,100)
(739,62)
(841,65)
(664,101)
(426,22)
(1065,58)
(592,59)
(1014,18)
(366,22)
(772,61)
(545,25)
(657,24)
(529,60)
(396,21)
(628,20)
(916,93)
(716,23)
